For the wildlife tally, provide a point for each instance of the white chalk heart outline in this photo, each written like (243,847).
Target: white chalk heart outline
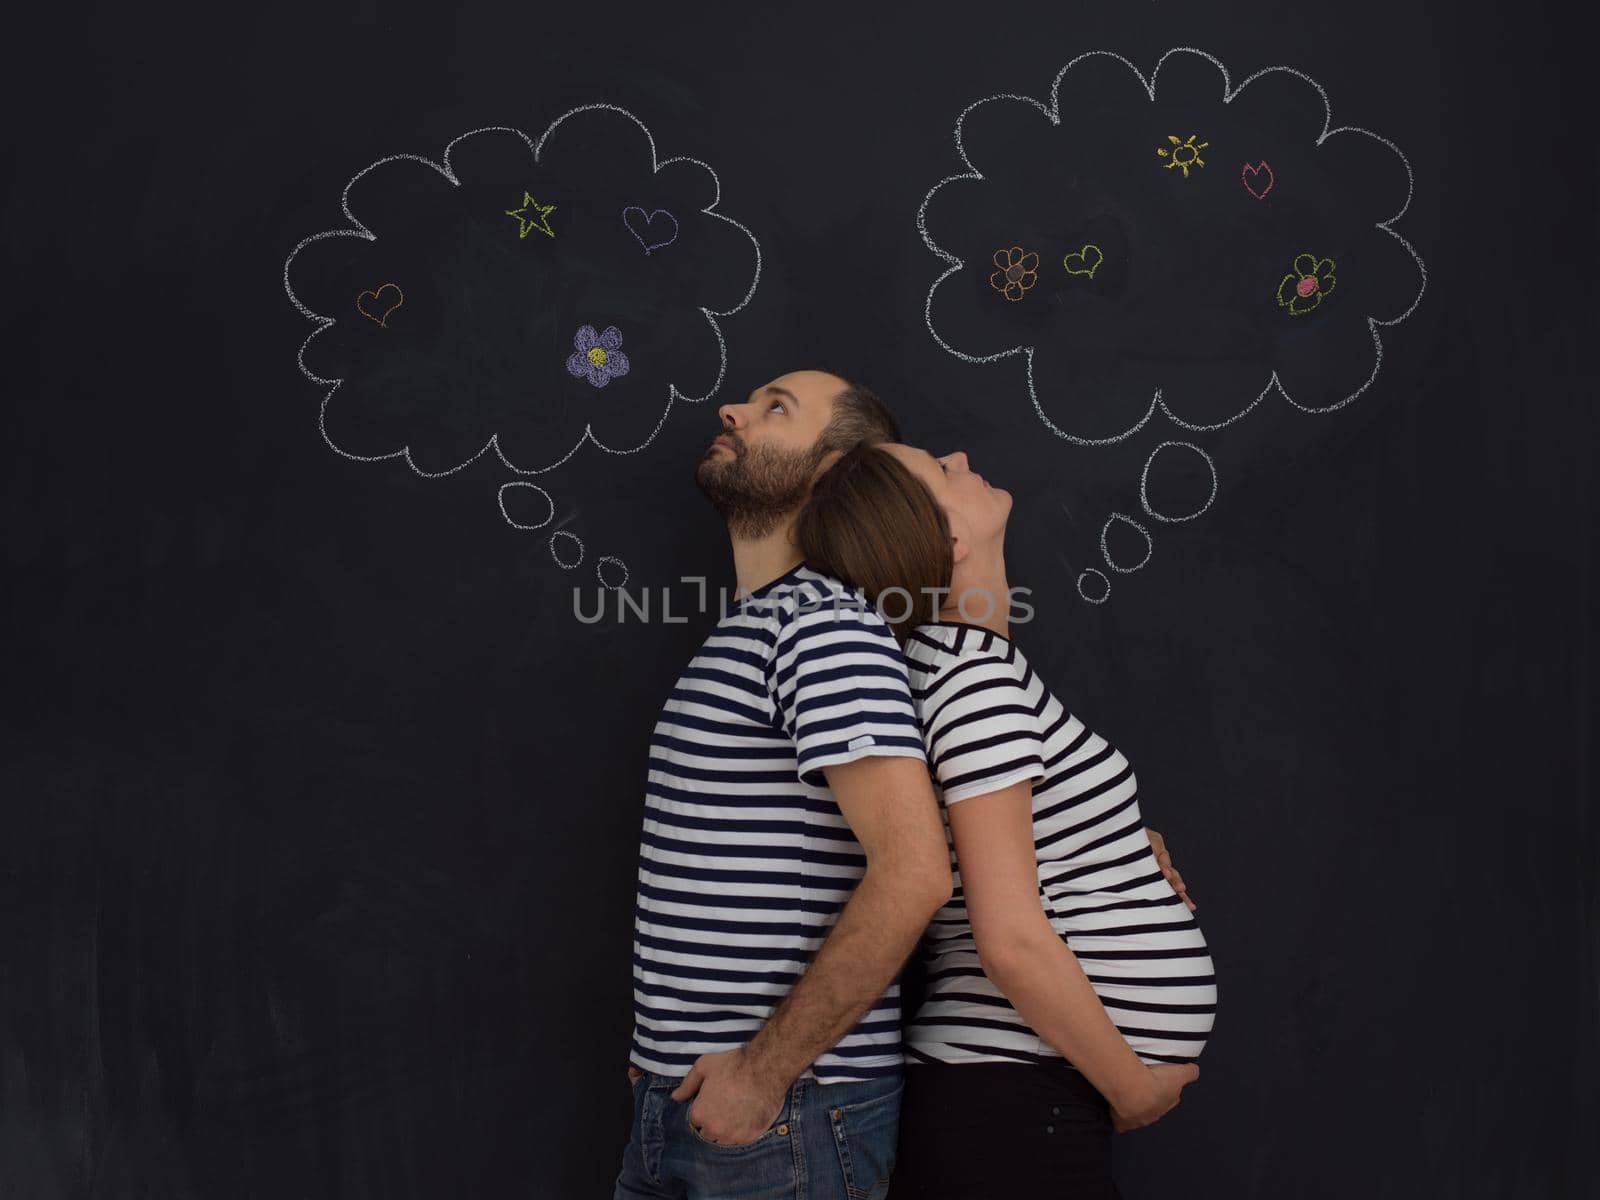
(649,219)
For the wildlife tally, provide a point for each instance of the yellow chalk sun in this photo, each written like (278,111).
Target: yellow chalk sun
(1184,154)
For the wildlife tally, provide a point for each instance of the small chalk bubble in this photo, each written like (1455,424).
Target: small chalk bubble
(1105,542)
(1178,477)
(1104,588)
(556,554)
(600,570)
(520,500)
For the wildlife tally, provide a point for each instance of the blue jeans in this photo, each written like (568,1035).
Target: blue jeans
(833,1141)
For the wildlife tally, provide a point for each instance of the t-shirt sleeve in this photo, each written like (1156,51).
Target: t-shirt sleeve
(841,686)
(982,729)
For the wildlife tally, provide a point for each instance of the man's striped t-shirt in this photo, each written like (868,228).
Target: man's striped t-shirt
(745,859)
(990,722)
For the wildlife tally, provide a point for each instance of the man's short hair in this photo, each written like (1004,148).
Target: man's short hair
(859,418)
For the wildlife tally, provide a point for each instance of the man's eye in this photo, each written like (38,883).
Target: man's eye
(778,404)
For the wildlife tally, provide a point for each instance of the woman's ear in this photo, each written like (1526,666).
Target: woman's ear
(958,549)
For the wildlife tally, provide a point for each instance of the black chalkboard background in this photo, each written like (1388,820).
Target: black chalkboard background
(321,808)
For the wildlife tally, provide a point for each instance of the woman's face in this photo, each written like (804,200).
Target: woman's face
(977,510)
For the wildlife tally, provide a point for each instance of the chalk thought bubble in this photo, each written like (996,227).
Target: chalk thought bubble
(522,294)
(1170,243)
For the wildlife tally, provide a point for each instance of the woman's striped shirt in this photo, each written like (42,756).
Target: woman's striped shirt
(988,721)
(745,859)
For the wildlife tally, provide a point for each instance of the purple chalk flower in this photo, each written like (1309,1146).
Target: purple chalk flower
(597,357)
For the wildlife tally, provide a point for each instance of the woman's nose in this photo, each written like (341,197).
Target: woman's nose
(959,459)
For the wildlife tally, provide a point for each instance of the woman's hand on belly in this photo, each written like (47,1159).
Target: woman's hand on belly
(1164,861)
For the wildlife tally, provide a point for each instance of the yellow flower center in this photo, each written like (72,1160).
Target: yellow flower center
(598,356)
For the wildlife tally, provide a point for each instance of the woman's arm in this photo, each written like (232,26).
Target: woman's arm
(1024,957)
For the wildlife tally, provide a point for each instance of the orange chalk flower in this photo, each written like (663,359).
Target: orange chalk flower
(1019,271)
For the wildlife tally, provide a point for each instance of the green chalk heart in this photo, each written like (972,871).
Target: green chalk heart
(1084,262)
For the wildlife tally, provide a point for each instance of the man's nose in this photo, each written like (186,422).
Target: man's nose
(732,416)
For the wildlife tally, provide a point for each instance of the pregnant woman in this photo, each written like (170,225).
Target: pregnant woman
(1069,988)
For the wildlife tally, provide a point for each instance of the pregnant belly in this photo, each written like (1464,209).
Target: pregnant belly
(1147,960)
(1163,1006)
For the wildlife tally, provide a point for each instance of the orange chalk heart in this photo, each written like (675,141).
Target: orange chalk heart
(378,302)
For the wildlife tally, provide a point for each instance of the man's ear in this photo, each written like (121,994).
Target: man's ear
(825,464)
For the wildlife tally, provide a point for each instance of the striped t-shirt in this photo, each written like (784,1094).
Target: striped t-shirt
(989,722)
(745,859)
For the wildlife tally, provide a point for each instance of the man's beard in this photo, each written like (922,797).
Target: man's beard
(756,488)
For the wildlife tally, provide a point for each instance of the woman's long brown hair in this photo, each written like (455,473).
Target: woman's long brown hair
(873,525)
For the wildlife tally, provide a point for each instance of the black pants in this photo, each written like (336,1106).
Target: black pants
(1002,1131)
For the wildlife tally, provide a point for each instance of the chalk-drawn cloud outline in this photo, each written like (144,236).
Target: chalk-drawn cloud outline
(1052,113)
(357,229)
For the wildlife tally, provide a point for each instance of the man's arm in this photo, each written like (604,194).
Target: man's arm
(889,805)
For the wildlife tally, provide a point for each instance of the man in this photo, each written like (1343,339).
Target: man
(792,850)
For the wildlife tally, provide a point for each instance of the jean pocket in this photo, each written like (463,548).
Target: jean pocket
(777,1131)
(865,1134)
